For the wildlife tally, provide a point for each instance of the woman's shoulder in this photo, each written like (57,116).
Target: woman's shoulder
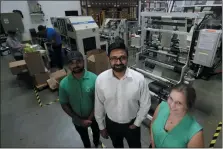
(195,127)
(163,104)
(163,107)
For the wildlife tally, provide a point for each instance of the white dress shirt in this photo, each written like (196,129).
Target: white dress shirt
(122,100)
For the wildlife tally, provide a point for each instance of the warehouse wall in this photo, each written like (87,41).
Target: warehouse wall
(50,9)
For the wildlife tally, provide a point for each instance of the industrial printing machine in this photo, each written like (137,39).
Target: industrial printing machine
(113,27)
(169,51)
(78,32)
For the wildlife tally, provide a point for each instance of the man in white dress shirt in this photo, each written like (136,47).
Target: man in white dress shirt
(122,99)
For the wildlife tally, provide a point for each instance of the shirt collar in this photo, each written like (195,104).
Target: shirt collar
(86,74)
(127,74)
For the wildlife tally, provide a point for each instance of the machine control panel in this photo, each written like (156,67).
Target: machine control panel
(207,46)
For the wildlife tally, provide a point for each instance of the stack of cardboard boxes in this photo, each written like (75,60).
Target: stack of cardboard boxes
(33,63)
(36,68)
(97,62)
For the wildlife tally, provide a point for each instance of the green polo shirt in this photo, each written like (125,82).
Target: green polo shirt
(79,93)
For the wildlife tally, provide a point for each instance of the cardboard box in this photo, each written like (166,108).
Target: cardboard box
(58,75)
(53,83)
(41,78)
(17,67)
(34,63)
(97,61)
(55,78)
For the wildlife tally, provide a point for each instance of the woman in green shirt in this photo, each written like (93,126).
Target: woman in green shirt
(172,125)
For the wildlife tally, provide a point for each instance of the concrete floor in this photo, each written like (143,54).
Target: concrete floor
(25,124)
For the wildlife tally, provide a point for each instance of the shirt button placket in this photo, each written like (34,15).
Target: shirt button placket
(119,100)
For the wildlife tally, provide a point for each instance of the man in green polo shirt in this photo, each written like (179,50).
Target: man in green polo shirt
(76,94)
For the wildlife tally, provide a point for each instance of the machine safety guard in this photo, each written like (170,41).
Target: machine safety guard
(216,134)
(40,102)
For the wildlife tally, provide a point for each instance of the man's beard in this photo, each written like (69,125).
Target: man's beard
(119,68)
(77,70)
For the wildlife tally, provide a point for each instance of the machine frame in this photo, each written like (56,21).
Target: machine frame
(159,86)
(113,27)
(167,17)
(78,30)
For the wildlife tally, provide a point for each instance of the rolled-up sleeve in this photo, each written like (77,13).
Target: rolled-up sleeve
(145,103)
(99,107)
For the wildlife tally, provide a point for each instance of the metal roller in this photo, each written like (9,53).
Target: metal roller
(155,88)
(151,75)
(162,52)
(175,67)
(159,88)
(160,64)
(158,22)
(155,101)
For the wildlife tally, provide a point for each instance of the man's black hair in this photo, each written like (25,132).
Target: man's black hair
(41,34)
(117,44)
(41,28)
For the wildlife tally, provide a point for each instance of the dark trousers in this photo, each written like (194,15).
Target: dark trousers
(84,134)
(58,58)
(118,132)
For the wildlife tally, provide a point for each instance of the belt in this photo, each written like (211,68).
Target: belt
(129,123)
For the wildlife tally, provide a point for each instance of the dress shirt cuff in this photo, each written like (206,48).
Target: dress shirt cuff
(137,122)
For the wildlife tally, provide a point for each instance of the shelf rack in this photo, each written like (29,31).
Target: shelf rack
(101,9)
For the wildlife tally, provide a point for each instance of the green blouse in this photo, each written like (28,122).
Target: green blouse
(179,136)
